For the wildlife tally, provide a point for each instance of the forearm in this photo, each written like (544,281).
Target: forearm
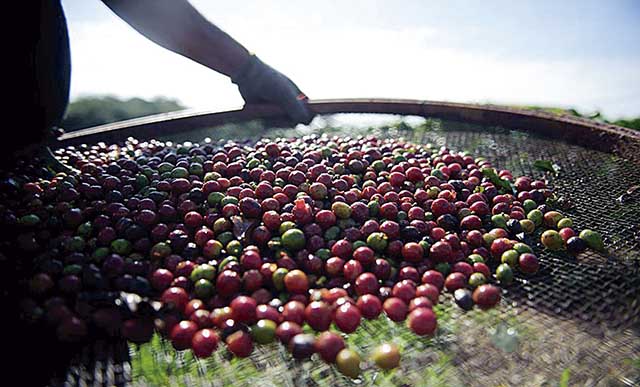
(177,26)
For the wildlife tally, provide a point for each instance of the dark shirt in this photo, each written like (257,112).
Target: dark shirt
(46,65)
(37,51)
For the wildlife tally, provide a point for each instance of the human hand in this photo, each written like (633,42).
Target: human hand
(260,83)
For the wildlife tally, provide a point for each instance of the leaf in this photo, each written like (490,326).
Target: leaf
(501,184)
(574,112)
(546,165)
(564,378)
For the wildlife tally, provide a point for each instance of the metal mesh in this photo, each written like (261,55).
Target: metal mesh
(101,364)
(578,313)
(592,287)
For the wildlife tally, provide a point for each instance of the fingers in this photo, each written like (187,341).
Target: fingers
(298,110)
(282,93)
(263,84)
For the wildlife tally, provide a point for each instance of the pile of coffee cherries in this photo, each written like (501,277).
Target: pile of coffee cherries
(246,244)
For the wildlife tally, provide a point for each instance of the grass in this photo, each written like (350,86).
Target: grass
(470,348)
(426,361)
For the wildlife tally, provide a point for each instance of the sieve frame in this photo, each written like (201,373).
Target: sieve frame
(580,131)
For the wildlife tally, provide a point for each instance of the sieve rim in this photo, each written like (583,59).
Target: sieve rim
(577,130)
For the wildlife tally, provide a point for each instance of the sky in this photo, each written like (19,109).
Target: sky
(582,54)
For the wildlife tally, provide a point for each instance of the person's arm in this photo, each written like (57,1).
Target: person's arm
(179,27)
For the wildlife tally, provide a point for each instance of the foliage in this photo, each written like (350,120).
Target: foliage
(97,110)
(499,182)
(546,166)
(632,123)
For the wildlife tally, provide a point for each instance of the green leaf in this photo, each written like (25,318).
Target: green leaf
(546,165)
(575,112)
(564,378)
(501,184)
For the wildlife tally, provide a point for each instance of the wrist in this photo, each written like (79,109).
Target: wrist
(236,59)
(247,70)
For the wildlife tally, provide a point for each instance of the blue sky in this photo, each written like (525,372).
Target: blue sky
(583,54)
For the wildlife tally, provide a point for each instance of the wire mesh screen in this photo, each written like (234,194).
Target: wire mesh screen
(575,322)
